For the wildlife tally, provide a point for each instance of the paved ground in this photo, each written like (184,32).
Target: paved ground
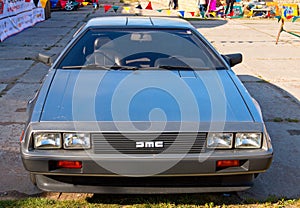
(270,73)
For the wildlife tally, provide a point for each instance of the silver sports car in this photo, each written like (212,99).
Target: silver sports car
(143,105)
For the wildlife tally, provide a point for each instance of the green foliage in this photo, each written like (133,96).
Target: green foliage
(277,119)
(153,201)
(293,120)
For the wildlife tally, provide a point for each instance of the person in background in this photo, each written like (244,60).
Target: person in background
(171,2)
(175,2)
(202,7)
(211,7)
(229,5)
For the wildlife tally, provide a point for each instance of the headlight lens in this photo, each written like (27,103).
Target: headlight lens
(47,140)
(76,141)
(219,140)
(248,140)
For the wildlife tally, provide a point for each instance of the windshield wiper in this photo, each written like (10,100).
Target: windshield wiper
(89,66)
(183,67)
(118,67)
(95,66)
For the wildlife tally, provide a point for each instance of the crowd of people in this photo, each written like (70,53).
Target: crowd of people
(208,6)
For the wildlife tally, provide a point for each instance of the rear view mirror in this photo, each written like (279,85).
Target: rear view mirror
(140,37)
(44,59)
(233,59)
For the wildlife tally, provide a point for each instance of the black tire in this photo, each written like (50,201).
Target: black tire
(48,10)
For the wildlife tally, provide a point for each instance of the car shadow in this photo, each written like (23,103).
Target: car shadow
(281,113)
(206,23)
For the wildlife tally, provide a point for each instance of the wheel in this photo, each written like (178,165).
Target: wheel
(69,6)
(48,10)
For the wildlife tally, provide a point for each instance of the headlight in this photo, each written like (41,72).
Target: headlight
(47,140)
(219,140)
(76,141)
(248,140)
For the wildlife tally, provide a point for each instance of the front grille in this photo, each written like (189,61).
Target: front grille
(173,143)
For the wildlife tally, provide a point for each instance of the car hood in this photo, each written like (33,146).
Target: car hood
(141,95)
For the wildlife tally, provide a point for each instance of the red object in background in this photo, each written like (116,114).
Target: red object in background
(1,6)
(28,1)
(62,3)
(231,14)
(149,6)
(106,8)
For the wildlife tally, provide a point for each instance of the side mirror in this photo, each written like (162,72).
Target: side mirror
(233,59)
(44,59)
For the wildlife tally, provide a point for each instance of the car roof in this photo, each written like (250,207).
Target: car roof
(138,22)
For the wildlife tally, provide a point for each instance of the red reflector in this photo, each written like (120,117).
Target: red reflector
(22,135)
(228,163)
(69,164)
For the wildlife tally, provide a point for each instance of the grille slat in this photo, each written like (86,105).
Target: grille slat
(109,143)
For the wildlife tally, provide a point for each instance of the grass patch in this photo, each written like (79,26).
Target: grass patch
(156,201)
(278,119)
(292,120)
(42,202)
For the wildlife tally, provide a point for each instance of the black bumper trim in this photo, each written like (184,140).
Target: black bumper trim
(144,185)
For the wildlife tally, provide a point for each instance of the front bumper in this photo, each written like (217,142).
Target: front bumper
(142,185)
(192,174)
(144,173)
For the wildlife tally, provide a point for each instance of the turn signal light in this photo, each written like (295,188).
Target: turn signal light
(69,164)
(227,163)
(22,136)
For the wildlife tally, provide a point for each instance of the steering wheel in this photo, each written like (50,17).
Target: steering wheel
(142,58)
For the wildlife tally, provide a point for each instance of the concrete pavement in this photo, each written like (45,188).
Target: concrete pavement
(270,72)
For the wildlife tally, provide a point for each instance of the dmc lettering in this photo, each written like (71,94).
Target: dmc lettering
(156,144)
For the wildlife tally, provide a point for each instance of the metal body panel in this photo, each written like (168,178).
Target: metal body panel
(215,95)
(203,164)
(142,22)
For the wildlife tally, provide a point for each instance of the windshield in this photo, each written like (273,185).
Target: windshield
(140,48)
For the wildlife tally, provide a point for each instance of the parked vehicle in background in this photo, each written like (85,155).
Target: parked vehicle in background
(68,5)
